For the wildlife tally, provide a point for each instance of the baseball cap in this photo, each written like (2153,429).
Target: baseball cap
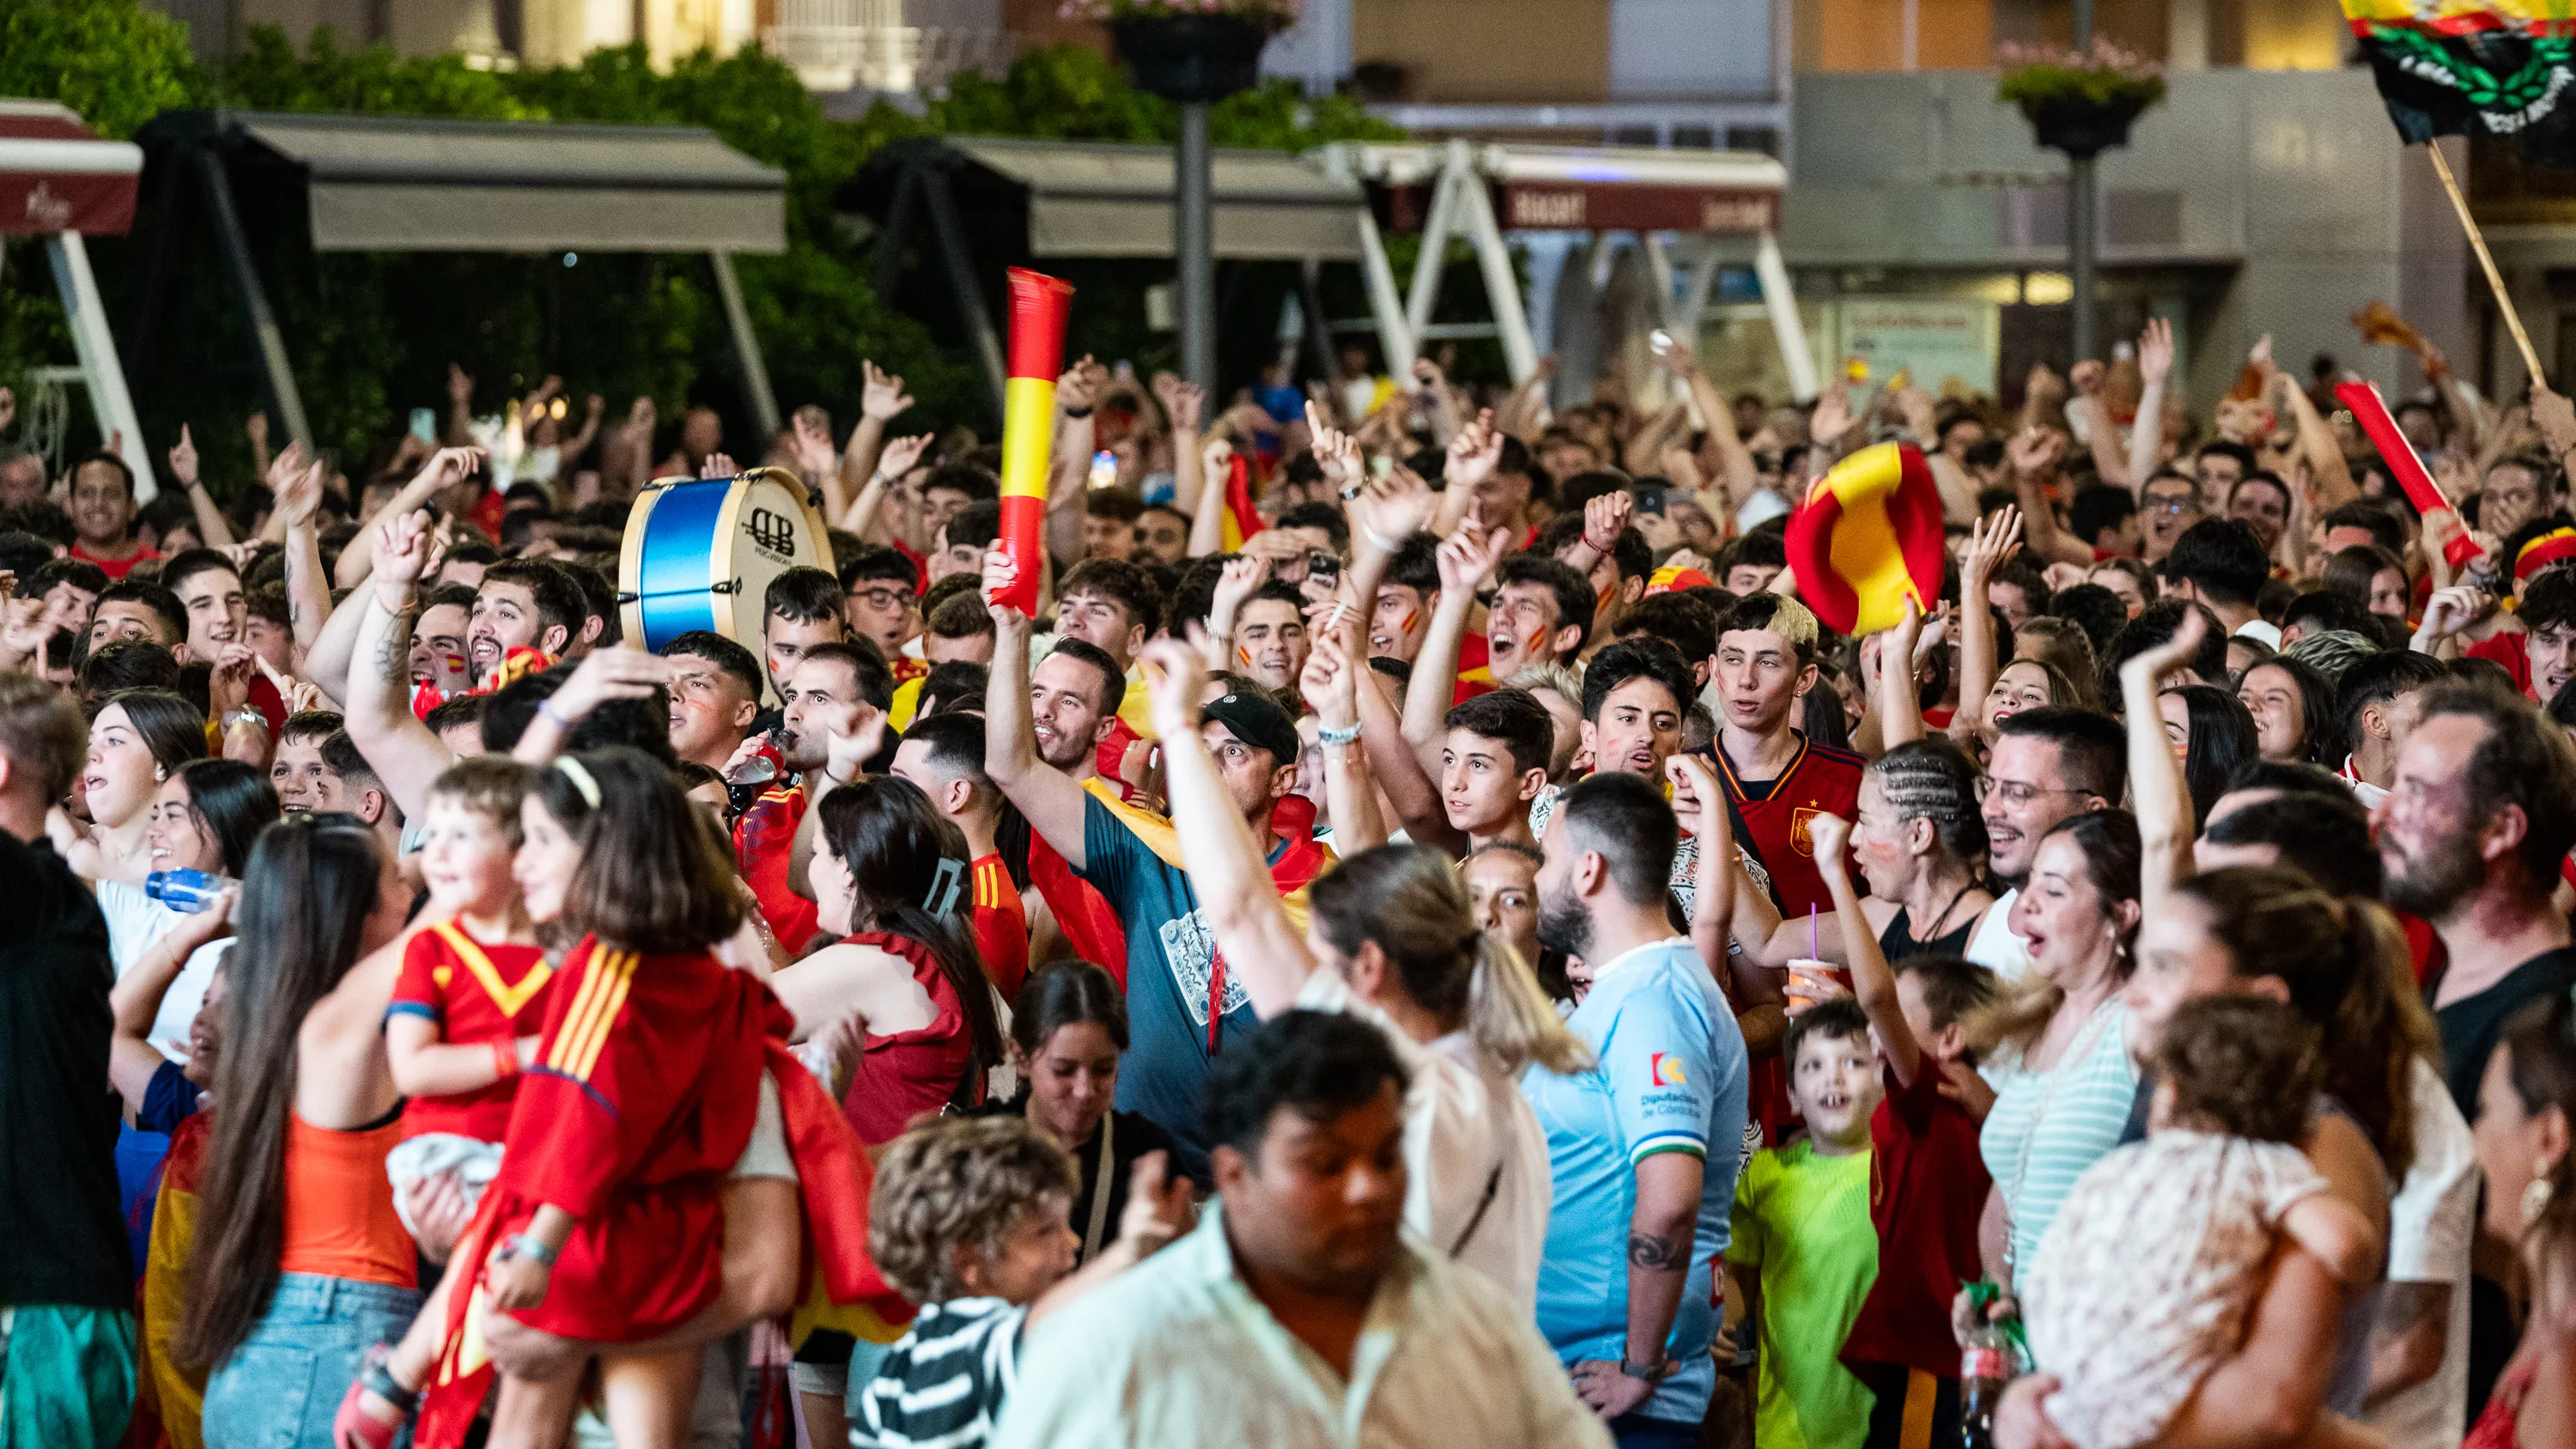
(1259,723)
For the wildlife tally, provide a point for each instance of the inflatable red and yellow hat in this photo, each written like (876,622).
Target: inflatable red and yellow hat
(1867,537)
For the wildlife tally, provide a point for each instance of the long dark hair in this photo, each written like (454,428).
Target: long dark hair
(170,727)
(1067,993)
(2320,737)
(233,802)
(2540,1062)
(895,843)
(2222,737)
(311,884)
(2348,971)
(652,876)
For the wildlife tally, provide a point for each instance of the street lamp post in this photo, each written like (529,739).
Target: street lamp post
(1194,245)
(2081,215)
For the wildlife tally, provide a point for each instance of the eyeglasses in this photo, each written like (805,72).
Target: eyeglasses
(882,598)
(2019,792)
(2168,505)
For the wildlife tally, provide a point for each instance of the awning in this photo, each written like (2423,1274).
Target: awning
(56,175)
(1096,199)
(388,184)
(1586,188)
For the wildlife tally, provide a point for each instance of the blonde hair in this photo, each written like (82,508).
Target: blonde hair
(1412,901)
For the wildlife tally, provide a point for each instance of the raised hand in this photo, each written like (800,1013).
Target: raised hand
(1474,453)
(402,555)
(183,459)
(1605,518)
(1829,833)
(1992,541)
(717,465)
(1336,452)
(2034,452)
(8,408)
(1175,678)
(853,734)
(2156,351)
(228,686)
(881,394)
(900,455)
(1391,509)
(1078,386)
(2449,611)
(1158,1205)
(1832,418)
(446,468)
(2150,668)
(811,429)
(2086,377)
(1329,684)
(460,388)
(1695,791)
(1468,555)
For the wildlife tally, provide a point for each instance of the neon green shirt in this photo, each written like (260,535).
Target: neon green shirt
(1802,1222)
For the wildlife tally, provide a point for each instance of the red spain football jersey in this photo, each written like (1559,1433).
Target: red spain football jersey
(475,993)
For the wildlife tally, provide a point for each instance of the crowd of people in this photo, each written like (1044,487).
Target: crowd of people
(1424,937)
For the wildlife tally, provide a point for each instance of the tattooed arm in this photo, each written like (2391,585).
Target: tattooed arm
(1660,1230)
(404,754)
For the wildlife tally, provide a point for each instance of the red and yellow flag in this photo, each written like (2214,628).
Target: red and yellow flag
(1039,305)
(1241,520)
(1868,537)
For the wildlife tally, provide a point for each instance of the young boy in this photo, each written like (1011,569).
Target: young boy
(1802,1226)
(970,1218)
(1929,1187)
(470,1003)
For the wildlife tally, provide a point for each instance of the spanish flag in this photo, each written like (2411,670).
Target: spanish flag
(169,1393)
(1868,538)
(1242,521)
(1039,306)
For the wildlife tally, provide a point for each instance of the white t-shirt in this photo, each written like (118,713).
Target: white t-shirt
(2432,1217)
(186,996)
(1473,1150)
(134,922)
(1995,947)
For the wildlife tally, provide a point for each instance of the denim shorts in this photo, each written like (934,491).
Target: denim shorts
(280,1389)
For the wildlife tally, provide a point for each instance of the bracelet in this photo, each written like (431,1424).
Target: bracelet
(505,1060)
(1076,412)
(1653,1373)
(1329,736)
(244,715)
(1377,540)
(546,708)
(520,1245)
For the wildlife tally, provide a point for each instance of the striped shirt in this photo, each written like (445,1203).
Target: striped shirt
(2047,1127)
(943,1383)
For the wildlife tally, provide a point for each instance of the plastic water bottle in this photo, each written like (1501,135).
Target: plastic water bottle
(190,891)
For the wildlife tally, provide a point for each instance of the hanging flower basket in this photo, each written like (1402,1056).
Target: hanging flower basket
(1189,50)
(2080,103)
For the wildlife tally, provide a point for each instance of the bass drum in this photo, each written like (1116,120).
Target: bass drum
(700,552)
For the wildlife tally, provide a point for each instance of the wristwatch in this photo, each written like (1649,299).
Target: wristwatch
(1653,1373)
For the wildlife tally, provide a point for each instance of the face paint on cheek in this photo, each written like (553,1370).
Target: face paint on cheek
(1409,616)
(1243,656)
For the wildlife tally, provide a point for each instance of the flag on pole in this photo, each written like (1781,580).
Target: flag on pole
(2500,68)
(1039,305)
(1869,537)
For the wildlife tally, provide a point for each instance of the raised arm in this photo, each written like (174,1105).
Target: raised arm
(1235,583)
(1412,790)
(809,434)
(405,755)
(1696,789)
(2331,476)
(1989,548)
(881,400)
(1050,799)
(1900,705)
(2147,434)
(1077,394)
(1184,401)
(1332,687)
(624,672)
(1872,982)
(212,526)
(2101,434)
(1465,558)
(1234,888)
(2159,794)
(1207,521)
(2033,457)
(893,460)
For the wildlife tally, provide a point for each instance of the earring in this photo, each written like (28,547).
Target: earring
(160,773)
(2535,1198)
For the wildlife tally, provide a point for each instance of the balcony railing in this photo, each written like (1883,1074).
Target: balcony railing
(887,45)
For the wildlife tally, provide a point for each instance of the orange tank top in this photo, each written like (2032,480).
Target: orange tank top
(340,1220)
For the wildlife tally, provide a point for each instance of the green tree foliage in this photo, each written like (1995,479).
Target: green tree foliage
(371,335)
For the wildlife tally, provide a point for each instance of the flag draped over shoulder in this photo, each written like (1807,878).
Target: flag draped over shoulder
(2503,68)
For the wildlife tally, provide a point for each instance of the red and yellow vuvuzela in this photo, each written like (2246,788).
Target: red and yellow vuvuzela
(1868,536)
(1039,305)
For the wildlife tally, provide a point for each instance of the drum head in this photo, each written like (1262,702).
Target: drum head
(700,554)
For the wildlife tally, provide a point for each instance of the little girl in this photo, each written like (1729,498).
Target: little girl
(653,1090)
(2143,1282)
(472,996)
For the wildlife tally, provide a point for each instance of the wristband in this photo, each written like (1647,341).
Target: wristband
(505,1059)
(1376,540)
(244,715)
(1076,412)
(520,1245)
(1328,736)
(546,708)
(1653,1373)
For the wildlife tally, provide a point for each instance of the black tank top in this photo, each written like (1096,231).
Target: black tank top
(1897,941)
